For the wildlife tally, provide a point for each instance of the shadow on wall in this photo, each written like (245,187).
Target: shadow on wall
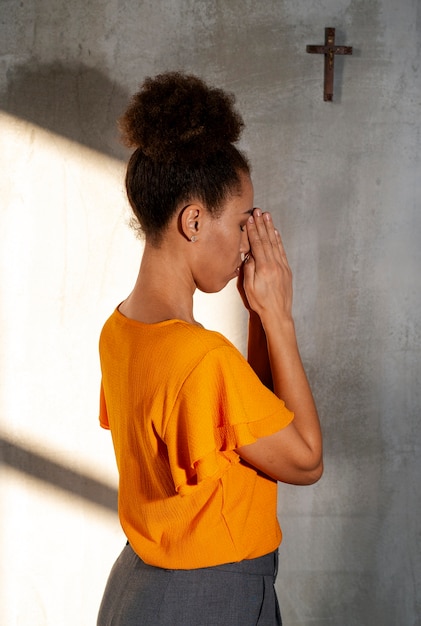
(76,101)
(57,475)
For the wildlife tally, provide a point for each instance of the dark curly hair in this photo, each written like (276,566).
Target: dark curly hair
(183,132)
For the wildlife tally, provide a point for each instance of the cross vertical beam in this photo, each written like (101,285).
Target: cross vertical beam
(329,50)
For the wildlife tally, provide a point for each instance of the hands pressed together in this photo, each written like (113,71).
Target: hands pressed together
(265,282)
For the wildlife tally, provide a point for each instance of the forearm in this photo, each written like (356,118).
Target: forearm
(257,353)
(290,382)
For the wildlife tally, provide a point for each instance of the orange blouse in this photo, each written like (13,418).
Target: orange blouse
(179,400)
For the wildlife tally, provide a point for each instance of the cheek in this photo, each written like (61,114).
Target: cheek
(232,240)
(224,243)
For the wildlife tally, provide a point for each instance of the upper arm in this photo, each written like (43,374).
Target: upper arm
(284,456)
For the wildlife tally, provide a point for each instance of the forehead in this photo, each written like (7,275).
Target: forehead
(241,202)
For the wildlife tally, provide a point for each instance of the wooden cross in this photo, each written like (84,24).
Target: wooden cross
(329,50)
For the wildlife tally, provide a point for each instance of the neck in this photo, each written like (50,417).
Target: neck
(164,288)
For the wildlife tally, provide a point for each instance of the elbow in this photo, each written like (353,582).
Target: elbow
(315,474)
(313,471)
(301,476)
(309,475)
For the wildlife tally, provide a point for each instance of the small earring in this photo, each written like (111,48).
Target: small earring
(193,239)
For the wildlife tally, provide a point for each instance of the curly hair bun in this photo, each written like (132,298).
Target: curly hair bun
(177,117)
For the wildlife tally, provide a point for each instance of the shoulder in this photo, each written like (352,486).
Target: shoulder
(170,343)
(198,336)
(194,344)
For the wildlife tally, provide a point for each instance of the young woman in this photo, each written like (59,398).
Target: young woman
(201,435)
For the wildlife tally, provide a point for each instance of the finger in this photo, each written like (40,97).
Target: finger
(260,221)
(270,228)
(240,285)
(281,246)
(260,244)
(249,263)
(252,233)
(270,236)
(274,250)
(248,267)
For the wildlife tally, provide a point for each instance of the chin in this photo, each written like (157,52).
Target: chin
(205,288)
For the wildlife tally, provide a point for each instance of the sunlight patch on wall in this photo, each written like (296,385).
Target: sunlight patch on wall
(225,313)
(50,542)
(66,257)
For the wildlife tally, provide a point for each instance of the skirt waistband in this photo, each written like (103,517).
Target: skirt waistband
(266,565)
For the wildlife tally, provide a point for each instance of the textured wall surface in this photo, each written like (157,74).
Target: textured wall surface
(343,182)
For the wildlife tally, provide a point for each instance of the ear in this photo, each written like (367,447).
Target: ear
(190,220)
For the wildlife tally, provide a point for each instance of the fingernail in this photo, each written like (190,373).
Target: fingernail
(251,219)
(257,212)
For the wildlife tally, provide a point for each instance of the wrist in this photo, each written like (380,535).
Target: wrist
(280,331)
(276,321)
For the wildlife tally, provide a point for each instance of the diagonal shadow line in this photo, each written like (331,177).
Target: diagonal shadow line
(64,478)
(71,99)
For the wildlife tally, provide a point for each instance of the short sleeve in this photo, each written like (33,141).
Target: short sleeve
(221,406)
(103,415)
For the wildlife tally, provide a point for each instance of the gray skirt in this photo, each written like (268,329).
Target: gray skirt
(233,594)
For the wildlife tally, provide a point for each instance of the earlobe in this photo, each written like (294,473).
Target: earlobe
(190,220)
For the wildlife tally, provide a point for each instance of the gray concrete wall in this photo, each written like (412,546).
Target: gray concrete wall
(343,181)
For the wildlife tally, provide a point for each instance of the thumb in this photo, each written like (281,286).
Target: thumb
(249,266)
